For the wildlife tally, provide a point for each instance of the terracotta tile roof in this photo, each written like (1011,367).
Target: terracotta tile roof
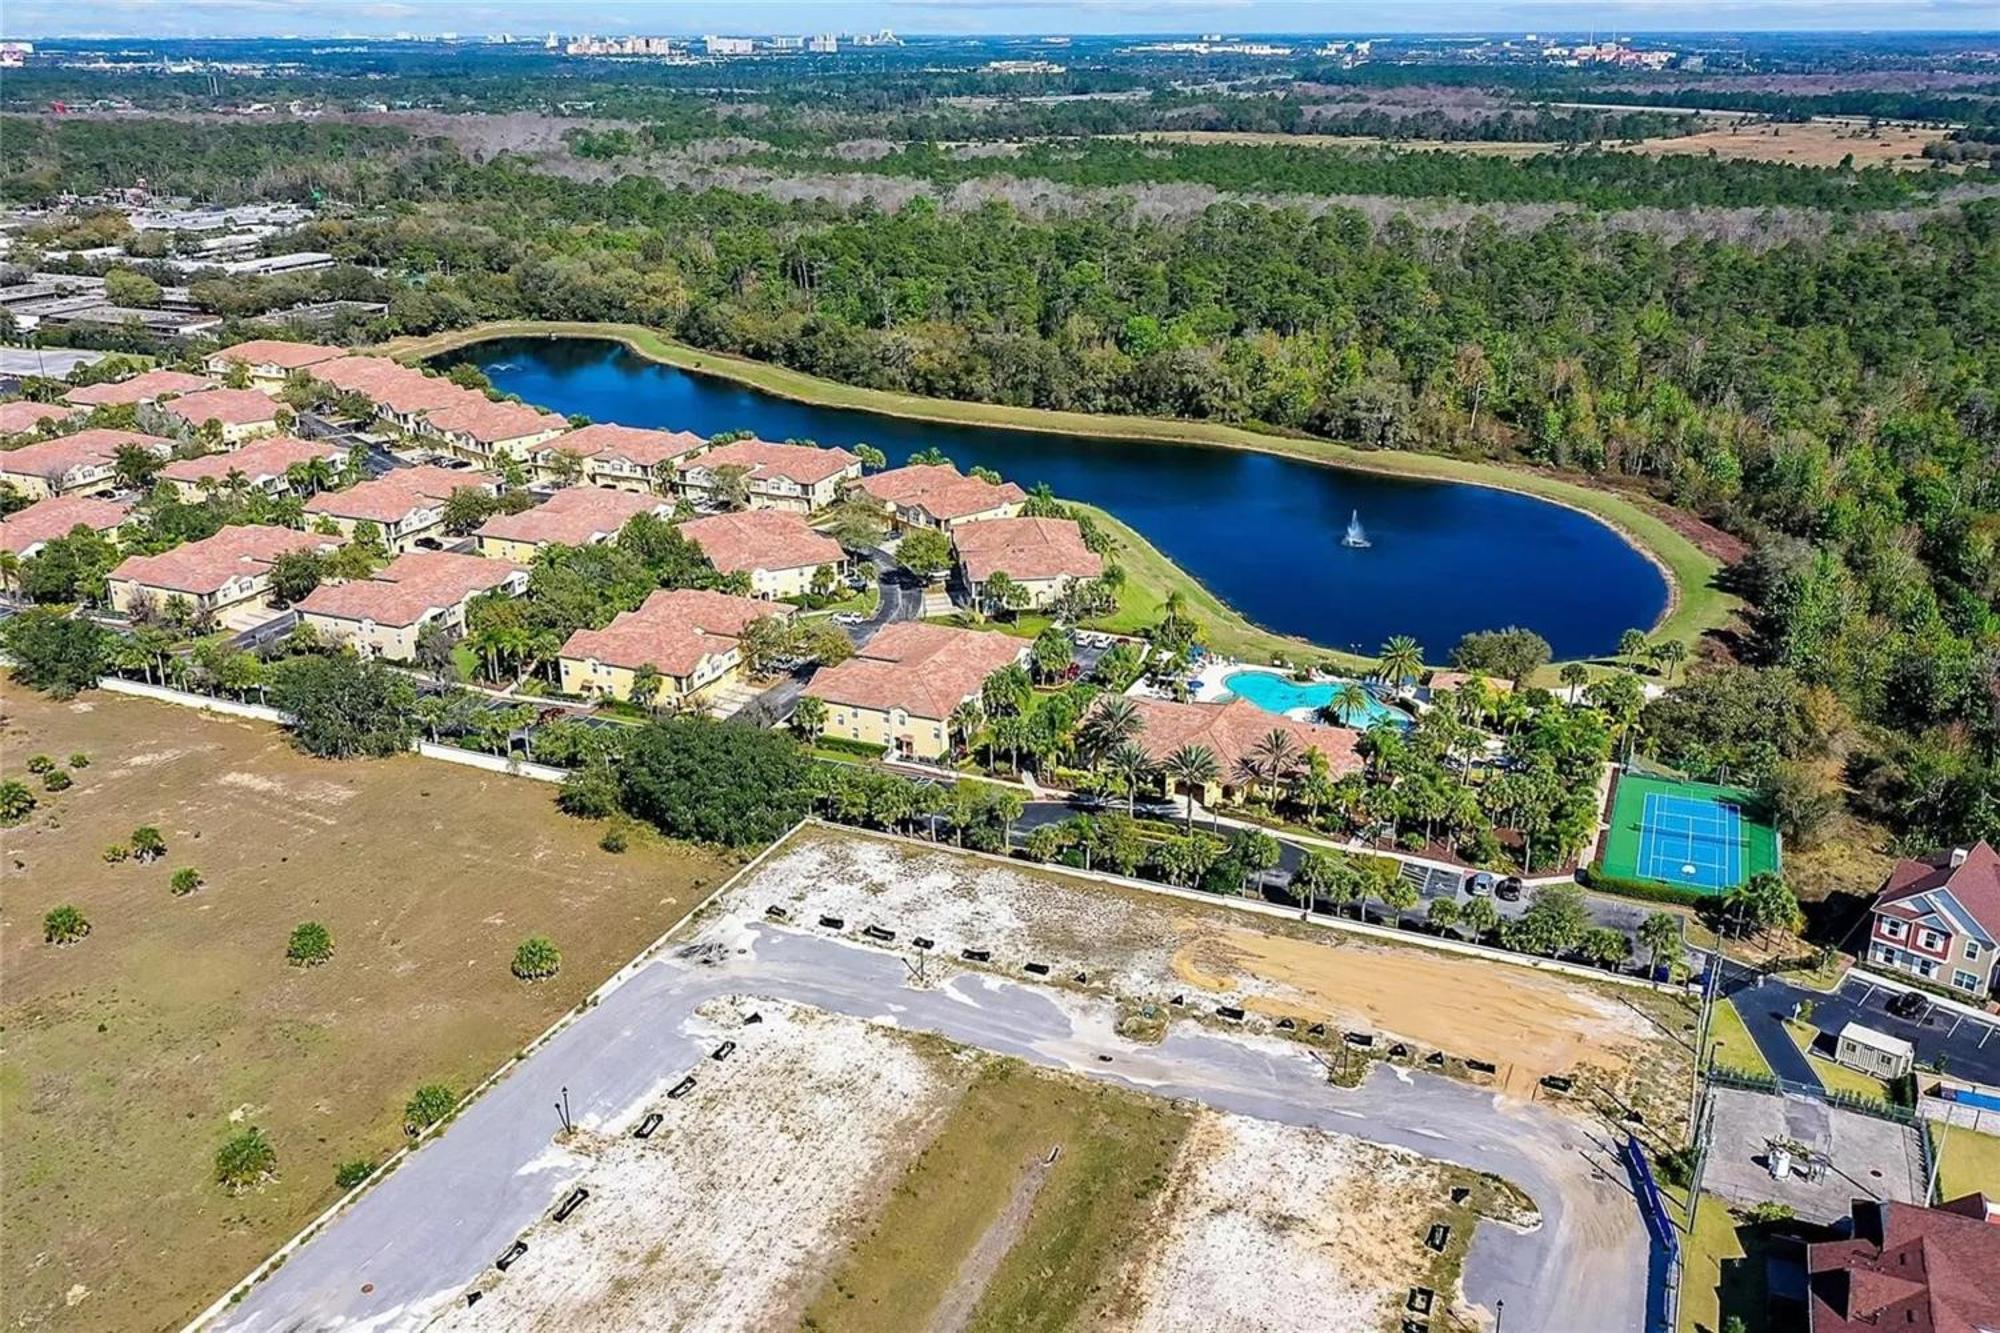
(57,516)
(142,388)
(232,407)
(761,539)
(394,494)
(925,670)
(1026,548)
(674,631)
(202,567)
(803,464)
(25,416)
(1932,1269)
(410,587)
(631,444)
(940,490)
(1234,729)
(260,460)
(52,459)
(394,385)
(574,516)
(1918,888)
(359,372)
(280,353)
(489,422)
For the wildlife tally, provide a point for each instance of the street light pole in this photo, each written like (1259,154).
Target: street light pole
(1499,1313)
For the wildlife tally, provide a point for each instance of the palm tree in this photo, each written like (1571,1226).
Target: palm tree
(1114,722)
(964,723)
(646,683)
(809,717)
(1191,769)
(1671,651)
(1349,702)
(1009,733)
(1575,675)
(1133,767)
(1402,659)
(1276,757)
(1632,645)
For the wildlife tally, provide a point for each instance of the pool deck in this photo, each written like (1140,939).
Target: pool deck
(1209,688)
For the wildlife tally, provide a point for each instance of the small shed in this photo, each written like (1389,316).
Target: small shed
(1874,1053)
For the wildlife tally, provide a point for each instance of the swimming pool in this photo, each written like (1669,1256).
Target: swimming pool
(1277,694)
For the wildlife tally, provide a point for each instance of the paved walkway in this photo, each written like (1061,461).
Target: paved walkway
(407,1248)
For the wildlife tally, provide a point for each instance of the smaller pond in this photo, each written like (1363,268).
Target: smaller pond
(1279,694)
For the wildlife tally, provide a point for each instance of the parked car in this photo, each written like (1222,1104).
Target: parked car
(1479,884)
(847,618)
(1509,889)
(1910,1004)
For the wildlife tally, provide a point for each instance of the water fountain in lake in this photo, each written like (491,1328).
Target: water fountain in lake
(1355,536)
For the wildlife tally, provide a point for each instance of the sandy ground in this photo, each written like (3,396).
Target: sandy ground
(1150,948)
(1813,144)
(1261,1223)
(128,1058)
(729,1215)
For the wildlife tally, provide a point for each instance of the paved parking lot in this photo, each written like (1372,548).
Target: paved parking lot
(1969,1047)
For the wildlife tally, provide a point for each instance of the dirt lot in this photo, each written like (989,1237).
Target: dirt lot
(131,1056)
(838,1174)
(1812,144)
(1148,947)
(725,1218)
(984,1231)
(1261,1222)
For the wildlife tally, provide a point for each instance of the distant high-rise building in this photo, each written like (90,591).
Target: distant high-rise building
(825,44)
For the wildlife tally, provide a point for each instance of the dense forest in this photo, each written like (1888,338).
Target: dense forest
(1829,392)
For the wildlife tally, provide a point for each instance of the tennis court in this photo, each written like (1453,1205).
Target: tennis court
(1692,835)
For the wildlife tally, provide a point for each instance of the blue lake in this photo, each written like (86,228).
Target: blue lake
(1262,532)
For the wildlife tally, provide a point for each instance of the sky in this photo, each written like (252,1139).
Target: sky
(324,18)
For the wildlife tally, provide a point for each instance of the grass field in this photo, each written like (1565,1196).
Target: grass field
(1697,605)
(132,1055)
(1809,144)
(983,1226)
(1968,1162)
(1721,1277)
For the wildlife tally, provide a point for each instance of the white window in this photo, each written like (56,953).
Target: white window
(1883,953)
(1972,951)
(1893,928)
(1930,939)
(1964,980)
(1927,967)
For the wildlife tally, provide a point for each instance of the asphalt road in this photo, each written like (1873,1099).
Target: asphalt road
(1764,1003)
(410,1245)
(902,599)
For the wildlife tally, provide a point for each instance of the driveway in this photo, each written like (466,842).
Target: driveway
(902,599)
(412,1243)
(1764,1003)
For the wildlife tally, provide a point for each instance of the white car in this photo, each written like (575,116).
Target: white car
(848,618)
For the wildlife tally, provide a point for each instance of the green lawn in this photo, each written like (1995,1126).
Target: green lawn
(1734,1048)
(1697,606)
(863,603)
(1968,1162)
(1723,1273)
